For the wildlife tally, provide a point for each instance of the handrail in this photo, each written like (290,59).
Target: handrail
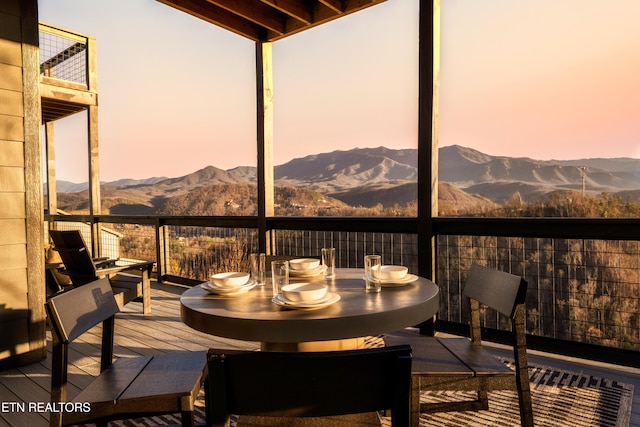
(567,228)
(578,228)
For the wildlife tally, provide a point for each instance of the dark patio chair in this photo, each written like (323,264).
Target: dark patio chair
(82,269)
(266,387)
(127,388)
(463,365)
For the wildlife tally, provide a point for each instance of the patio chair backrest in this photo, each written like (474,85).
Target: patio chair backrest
(75,312)
(310,384)
(496,289)
(75,256)
(501,291)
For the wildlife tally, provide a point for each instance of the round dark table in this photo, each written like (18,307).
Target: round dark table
(252,316)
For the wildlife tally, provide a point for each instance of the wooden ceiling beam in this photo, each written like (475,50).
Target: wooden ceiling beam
(322,14)
(269,20)
(255,11)
(55,110)
(300,10)
(335,5)
(216,15)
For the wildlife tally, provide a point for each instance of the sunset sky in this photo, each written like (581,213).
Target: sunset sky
(547,79)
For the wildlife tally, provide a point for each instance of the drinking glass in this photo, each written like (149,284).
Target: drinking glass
(279,275)
(257,268)
(372,265)
(329,262)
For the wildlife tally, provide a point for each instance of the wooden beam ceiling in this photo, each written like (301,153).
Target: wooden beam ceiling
(269,20)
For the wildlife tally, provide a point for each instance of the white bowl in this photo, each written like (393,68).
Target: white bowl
(230,279)
(304,263)
(304,292)
(393,272)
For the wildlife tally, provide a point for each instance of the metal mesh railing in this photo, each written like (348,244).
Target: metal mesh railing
(135,242)
(351,247)
(63,58)
(579,290)
(198,252)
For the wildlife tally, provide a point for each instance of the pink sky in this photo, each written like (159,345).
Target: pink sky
(542,79)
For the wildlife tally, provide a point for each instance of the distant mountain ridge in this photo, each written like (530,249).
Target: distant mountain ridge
(496,177)
(71,187)
(383,176)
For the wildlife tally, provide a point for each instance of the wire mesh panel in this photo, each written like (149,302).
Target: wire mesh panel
(579,290)
(136,242)
(63,57)
(351,247)
(198,252)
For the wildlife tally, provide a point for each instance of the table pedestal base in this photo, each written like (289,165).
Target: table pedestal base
(331,345)
(369,419)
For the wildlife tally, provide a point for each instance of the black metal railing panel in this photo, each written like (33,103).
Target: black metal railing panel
(134,242)
(581,290)
(198,252)
(351,247)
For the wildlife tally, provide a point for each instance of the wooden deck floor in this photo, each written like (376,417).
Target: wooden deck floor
(163,331)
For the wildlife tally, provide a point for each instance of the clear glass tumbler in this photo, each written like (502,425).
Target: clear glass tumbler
(258,268)
(279,275)
(372,265)
(329,262)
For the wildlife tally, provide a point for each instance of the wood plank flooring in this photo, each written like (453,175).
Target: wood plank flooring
(163,331)
(135,335)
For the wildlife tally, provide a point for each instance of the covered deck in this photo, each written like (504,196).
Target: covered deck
(426,243)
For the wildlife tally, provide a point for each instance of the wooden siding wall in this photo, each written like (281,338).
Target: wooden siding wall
(22,317)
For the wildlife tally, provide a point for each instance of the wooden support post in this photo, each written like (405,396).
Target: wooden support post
(428,92)
(264,106)
(52,190)
(428,83)
(94,178)
(34,215)
(94,152)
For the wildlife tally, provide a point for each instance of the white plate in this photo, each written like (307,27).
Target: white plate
(392,283)
(395,283)
(328,296)
(213,289)
(329,299)
(307,273)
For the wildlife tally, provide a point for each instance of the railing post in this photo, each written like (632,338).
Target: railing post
(163,255)
(92,66)
(52,191)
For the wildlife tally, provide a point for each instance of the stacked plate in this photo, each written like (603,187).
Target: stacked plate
(229,284)
(395,275)
(305,267)
(305,296)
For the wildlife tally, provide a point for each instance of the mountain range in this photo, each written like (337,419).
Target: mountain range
(364,177)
